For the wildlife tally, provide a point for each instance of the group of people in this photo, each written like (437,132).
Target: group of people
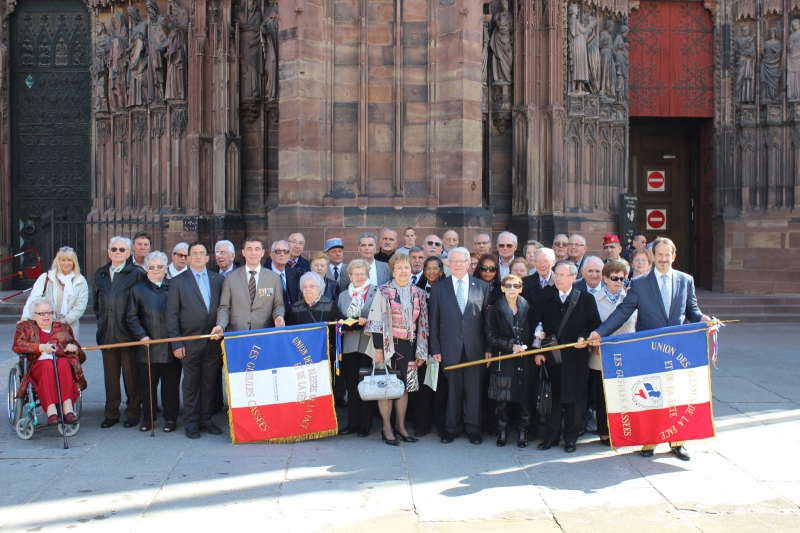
(486,304)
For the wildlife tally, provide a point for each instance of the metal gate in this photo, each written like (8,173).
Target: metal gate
(50,89)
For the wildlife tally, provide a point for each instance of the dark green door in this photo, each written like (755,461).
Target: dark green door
(50,88)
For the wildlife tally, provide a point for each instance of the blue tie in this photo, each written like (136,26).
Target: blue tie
(665,293)
(283,281)
(201,282)
(461,297)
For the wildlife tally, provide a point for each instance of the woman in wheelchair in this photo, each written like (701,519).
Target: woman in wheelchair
(41,340)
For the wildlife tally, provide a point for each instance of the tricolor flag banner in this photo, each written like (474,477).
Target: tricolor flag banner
(279,384)
(658,385)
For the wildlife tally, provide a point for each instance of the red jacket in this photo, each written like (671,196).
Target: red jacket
(26,342)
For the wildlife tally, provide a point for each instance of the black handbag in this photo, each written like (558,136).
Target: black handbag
(554,357)
(544,396)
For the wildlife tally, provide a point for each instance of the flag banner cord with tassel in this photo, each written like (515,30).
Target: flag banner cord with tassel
(279,384)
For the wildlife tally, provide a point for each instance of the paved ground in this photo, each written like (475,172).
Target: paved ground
(748,479)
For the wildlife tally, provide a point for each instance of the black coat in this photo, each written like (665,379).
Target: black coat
(110,302)
(584,319)
(147,317)
(322,311)
(532,286)
(510,380)
(292,293)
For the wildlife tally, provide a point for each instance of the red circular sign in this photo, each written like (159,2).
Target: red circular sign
(655,180)
(656,219)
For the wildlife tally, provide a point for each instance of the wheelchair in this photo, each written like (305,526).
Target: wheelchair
(24,413)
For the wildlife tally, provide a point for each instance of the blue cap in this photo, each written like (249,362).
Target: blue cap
(333,243)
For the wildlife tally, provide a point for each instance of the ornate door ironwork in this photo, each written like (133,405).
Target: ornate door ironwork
(50,89)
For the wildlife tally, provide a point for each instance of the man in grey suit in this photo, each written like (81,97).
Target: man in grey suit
(252,297)
(192,310)
(457,335)
(379,272)
(664,297)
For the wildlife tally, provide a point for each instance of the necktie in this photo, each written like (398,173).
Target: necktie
(414,279)
(563,298)
(292,262)
(665,293)
(336,273)
(283,281)
(201,282)
(544,283)
(461,296)
(592,291)
(252,286)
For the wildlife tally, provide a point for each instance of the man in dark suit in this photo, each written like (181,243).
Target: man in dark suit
(664,297)
(278,263)
(576,252)
(457,335)
(543,260)
(192,310)
(295,261)
(591,279)
(337,269)
(569,378)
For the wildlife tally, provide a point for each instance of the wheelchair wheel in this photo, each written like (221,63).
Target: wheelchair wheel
(14,405)
(71,428)
(25,429)
(78,406)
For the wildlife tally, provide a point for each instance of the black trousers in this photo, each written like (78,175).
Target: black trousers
(489,407)
(464,396)
(596,378)
(524,417)
(200,374)
(420,404)
(571,415)
(114,363)
(219,393)
(359,412)
(440,401)
(170,376)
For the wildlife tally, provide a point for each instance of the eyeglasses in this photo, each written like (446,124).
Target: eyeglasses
(506,245)
(198,254)
(280,252)
(301,243)
(473,265)
(432,269)
(482,243)
(577,244)
(223,252)
(156,267)
(459,262)
(431,243)
(44,313)
(546,262)
(565,275)
(617,279)
(180,255)
(114,249)
(515,286)
(488,269)
(560,244)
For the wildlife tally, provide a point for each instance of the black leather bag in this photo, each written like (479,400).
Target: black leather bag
(544,396)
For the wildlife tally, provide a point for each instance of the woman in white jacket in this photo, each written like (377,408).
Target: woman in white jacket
(65,285)
(614,276)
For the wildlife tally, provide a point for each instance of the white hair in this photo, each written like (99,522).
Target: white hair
(274,244)
(227,244)
(122,239)
(40,301)
(154,256)
(592,258)
(179,246)
(475,237)
(506,234)
(459,250)
(316,278)
(573,270)
(548,252)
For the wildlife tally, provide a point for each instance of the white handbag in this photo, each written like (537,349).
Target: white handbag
(380,387)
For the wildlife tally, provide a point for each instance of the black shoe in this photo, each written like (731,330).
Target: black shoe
(340,402)
(169,427)
(475,438)
(405,438)
(492,432)
(392,442)
(570,447)
(192,432)
(502,438)
(681,452)
(347,431)
(130,422)
(547,444)
(647,453)
(605,442)
(448,437)
(109,422)
(582,432)
(144,426)
(211,428)
(522,440)
(362,433)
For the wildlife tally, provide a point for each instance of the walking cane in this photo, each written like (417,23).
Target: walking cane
(150,392)
(60,402)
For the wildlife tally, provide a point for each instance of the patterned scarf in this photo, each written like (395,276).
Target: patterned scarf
(407,307)
(357,298)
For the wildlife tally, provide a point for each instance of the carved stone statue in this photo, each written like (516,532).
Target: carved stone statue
(156,52)
(138,83)
(251,54)
(608,68)
(118,63)
(269,36)
(746,66)
(593,54)
(771,68)
(623,63)
(578,59)
(176,64)
(179,16)
(99,68)
(502,46)
(793,64)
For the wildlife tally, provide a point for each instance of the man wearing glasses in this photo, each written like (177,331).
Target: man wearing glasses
(225,253)
(295,261)
(575,251)
(506,246)
(278,263)
(543,260)
(482,243)
(560,247)
(432,246)
(112,291)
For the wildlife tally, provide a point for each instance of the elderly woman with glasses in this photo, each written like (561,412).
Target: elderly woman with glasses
(641,262)
(65,286)
(147,320)
(180,258)
(508,330)
(48,344)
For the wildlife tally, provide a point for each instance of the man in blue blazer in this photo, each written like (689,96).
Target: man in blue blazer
(457,335)
(664,297)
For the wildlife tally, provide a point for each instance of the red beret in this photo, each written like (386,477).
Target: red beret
(610,238)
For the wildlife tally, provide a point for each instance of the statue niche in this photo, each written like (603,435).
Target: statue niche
(269,42)
(138,85)
(251,52)
(621,47)
(156,52)
(502,47)
(608,67)
(99,69)
(771,52)
(176,64)
(593,56)
(578,57)
(118,63)
(793,64)
(746,60)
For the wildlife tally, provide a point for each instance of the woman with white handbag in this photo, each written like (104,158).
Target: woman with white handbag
(398,323)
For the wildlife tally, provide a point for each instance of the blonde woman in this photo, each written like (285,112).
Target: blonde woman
(64,285)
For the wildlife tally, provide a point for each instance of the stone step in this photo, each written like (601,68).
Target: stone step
(723,311)
(764,319)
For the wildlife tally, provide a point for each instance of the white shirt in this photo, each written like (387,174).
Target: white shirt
(465,279)
(373,273)
(226,272)
(670,276)
(174,271)
(563,295)
(274,269)
(415,277)
(257,270)
(596,289)
(339,266)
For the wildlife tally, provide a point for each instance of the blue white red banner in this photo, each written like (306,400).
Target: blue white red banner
(658,385)
(279,384)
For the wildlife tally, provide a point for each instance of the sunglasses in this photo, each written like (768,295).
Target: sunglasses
(431,243)
(65,249)
(120,250)
(560,244)
(156,267)
(515,286)
(505,245)
(280,252)
(616,278)
(488,269)
(180,255)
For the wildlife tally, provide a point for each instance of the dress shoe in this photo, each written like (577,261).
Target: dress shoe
(502,438)
(492,432)
(192,432)
(169,427)
(144,426)
(522,439)
(546,444)
(405,438)
(448,437)
(211,428)
(340,402)
(70,418)
(605,442)
(582,432)
(647,453)
(347,431)
(475,438)
(392,442)
(362,433)
(130,422)
(109,422)
(569,447)
(681,452)
(52,420)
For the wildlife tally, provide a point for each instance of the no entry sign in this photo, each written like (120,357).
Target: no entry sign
(656,181)
(656,219)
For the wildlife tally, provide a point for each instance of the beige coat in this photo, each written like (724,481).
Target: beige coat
(235,312)
(605,308)
(75,307)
